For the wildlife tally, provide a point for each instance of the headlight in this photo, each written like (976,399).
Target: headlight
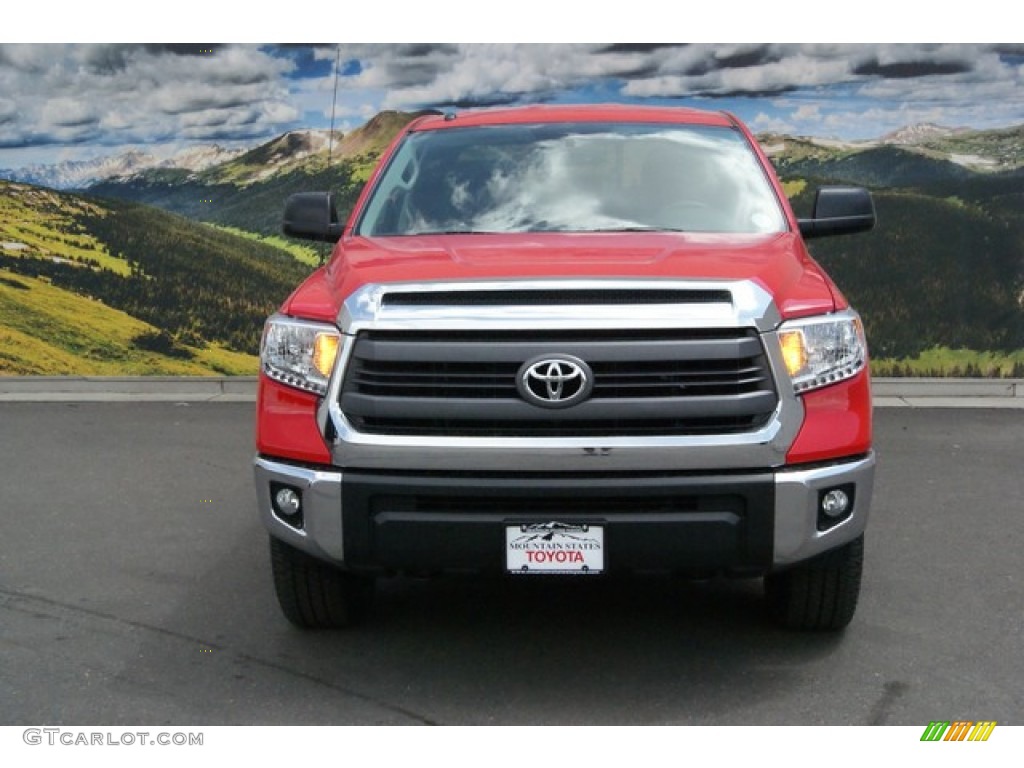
(298,353)
(823,350)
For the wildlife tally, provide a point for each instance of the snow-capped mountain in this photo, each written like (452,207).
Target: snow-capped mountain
(919,134)
(201,157)
(79,174)
(280,154)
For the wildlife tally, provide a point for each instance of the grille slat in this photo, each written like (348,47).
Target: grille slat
(506,409)
(560,298)
(645,383)
(486,350)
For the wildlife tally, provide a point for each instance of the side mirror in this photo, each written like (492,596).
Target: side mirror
(839,211)
(312,216)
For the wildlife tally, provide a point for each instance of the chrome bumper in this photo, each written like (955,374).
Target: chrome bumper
(797,537)
(796,498)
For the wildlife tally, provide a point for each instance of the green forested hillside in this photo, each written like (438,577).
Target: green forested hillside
(256,207)
(187,288)
(50,331)
(1001,148)
(940,280)
(935,272)
(877,167)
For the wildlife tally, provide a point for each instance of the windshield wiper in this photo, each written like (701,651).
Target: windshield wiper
(634,229)
(524,231)
(454,232)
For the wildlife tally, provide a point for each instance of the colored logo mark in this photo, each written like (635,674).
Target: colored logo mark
(958,730)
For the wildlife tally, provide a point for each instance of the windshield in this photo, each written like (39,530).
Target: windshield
(572,177)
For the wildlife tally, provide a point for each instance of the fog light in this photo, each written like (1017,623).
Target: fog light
(287,502)
(835,503)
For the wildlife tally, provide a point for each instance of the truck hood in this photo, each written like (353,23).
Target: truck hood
(778,262)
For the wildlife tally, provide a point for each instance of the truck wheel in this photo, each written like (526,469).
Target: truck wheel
(820,594)
(312,594)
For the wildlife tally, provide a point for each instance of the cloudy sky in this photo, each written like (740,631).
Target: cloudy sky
(76,101)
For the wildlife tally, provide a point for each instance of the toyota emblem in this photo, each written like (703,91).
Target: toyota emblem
(555,381)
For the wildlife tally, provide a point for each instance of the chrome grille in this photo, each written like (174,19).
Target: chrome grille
(646,382)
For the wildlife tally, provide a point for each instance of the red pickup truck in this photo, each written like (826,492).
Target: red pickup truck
(568,341)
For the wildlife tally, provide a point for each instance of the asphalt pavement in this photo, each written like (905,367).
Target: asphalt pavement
(135,588)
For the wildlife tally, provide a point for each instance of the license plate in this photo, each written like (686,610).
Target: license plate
(554,548)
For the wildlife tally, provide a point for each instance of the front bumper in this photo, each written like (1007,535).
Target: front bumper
(744,522)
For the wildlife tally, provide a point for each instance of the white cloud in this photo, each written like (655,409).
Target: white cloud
(8,110)
(139,93)
(763,123)
(134,93)
(68,113)
(807,112)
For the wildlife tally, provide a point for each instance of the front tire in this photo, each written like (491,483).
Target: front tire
(821,594)
(314,595)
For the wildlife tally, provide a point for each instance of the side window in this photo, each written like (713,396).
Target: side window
(389,205)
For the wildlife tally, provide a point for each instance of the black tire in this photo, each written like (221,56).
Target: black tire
(820,594)
(314,595)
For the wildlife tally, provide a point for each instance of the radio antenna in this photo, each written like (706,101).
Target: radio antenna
(334,104)
(330,136)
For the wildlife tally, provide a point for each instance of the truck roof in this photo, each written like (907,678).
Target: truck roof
(571,113)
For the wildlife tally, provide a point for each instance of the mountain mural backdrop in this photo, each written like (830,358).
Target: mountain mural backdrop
(132,264)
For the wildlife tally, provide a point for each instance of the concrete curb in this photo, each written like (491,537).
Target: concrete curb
(888,392)
(84,389)
(948,393)
(900,387)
